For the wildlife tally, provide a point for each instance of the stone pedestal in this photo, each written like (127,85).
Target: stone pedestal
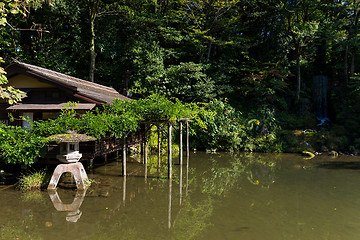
(77,170)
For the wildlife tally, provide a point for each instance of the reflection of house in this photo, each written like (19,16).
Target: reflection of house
(48,91)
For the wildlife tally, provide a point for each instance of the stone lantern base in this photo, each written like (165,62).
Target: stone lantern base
(77,170)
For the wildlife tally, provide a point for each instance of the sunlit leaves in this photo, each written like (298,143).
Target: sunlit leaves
(19,146)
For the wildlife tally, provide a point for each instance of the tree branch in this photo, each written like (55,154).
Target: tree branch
(27,29)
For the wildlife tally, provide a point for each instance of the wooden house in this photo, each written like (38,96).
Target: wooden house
(49,91)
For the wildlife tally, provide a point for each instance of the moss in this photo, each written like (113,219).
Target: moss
(71,137)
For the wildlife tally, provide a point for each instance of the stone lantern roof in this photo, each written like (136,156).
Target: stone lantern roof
(71,137)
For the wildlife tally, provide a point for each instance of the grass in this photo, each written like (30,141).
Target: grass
(32,181)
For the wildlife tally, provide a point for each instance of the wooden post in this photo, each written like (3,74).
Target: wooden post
(187,157)
(124,158)
(145,149)
(180,185)
(142,150)
(181,145)
(91,163)
(170,152)
(159,145)
(145,154)
(187,177)
(187,140)
(146,172)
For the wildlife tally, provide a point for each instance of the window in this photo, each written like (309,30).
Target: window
(72,147)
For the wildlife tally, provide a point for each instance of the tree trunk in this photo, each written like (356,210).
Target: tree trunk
(209,52)
(93,11)
(92,52)
(352,66)
(298,78)
(346,64)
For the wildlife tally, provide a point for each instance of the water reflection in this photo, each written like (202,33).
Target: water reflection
(218,196)
(169,208)
(73,209)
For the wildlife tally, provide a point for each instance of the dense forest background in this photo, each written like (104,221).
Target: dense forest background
(293,61)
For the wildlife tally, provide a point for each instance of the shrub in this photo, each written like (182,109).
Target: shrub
(32,181)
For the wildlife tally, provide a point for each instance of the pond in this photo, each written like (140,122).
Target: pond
(219,196)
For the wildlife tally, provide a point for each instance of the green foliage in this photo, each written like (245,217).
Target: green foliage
(19,145)
(198,51)
(32,181)
(10,94)
(153,108)
(218,126)
(117,120)
(189,82)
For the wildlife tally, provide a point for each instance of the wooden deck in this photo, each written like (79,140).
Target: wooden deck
(91,150)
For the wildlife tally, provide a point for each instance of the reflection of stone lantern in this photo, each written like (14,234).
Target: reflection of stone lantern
(70,156)
(73,209)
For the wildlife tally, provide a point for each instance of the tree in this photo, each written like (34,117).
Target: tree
(301,24)
(9,93)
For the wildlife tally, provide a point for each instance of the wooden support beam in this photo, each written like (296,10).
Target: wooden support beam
(187,156)
(91,163)
(159,146)
(124,158)
(181,144)
(187,177)
(146,172)
(163,131)
(142,149)
(180,185)
(148,128)
(145,149)
(143,130)
(170,152)
(187,141)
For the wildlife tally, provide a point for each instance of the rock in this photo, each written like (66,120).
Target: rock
(309,154)
(333,153)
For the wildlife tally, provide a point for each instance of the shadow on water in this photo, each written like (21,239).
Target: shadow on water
(340,165)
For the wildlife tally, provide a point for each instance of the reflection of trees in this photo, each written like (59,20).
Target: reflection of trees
(187,220)
(258,169)
(145,214)
(192,219)
(24,228)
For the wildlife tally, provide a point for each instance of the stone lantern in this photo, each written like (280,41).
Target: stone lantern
(69,152)
(69,156)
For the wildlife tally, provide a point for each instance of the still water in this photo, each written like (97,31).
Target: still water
(218,196)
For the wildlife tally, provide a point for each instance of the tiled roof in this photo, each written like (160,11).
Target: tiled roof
(82,88)
(50,106)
